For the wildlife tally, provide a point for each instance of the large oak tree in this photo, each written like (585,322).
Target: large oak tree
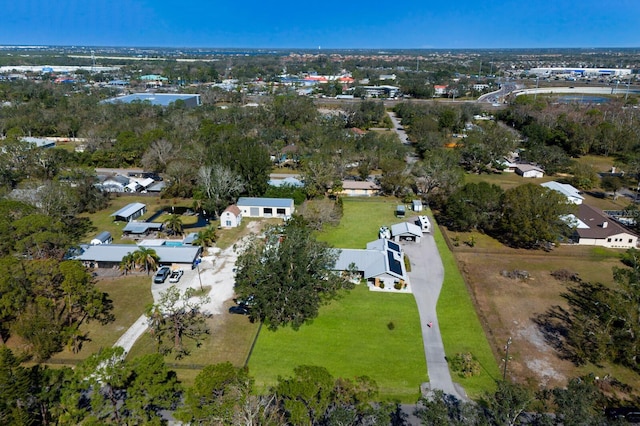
(288,274)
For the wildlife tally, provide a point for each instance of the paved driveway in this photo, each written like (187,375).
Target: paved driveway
(426,276)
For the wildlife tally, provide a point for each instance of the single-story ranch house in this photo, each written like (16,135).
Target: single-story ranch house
(382,262)
(266,207)
(130,212)
(110,255)
(352,188)
(594,228)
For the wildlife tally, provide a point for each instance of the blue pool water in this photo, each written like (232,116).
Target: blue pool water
(173,243)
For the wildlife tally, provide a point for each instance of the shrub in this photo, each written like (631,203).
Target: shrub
(465,365)
(407,263)
(391,325)
(398,285)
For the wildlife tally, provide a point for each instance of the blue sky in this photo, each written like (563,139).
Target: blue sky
(309,24)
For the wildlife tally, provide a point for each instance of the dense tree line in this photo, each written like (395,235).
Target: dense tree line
(526,216)
(107,388)
(605,129)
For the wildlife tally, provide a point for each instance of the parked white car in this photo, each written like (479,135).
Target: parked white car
(175,276)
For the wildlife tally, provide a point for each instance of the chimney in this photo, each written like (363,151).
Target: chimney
(605,224)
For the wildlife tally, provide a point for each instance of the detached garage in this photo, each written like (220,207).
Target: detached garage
(130,212)
(266,207)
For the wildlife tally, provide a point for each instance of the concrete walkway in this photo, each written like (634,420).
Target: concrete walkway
(427,276)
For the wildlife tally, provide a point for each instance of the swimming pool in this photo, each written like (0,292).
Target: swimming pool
(173,244)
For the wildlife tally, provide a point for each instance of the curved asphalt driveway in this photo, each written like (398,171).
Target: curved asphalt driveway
(426,277)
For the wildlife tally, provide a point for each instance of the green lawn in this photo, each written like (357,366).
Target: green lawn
(460,327)
(351,337)
(362,218)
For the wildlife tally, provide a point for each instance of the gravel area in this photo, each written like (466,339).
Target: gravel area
(215,271)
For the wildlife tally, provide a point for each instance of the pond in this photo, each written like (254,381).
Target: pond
(202,221)
(583,99)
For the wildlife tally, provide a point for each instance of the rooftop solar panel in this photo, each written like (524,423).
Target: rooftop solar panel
(393,246)
(394,265)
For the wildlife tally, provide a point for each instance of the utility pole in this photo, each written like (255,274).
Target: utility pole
(199,277)
(506,359)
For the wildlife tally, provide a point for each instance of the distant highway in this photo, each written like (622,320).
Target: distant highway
(599,90)
(498,97)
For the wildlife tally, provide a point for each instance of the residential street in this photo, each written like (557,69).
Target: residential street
(426,276)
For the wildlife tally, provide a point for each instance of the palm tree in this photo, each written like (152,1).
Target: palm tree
(174,224)
(128,263)
(206,238)
(146,258)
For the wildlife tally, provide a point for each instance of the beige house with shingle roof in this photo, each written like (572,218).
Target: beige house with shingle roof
(352,188)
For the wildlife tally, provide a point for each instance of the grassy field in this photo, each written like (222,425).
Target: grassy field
(352,337)
(361,221)
(460,326)
(130,296)
(504,180)
(230,339)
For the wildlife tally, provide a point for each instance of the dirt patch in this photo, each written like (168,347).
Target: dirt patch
(508,307)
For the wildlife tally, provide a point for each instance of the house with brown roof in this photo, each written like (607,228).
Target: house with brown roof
(352,188)
(231,217)
(594,228)
(529,170)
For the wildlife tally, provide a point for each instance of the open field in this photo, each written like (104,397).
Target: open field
(130,295)
(351,337)
(508,307)
(504,180)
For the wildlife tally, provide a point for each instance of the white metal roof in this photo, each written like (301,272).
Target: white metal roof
(129,209)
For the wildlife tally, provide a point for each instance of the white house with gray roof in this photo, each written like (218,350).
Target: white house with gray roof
(266,207)
(382,262)
(110,255)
